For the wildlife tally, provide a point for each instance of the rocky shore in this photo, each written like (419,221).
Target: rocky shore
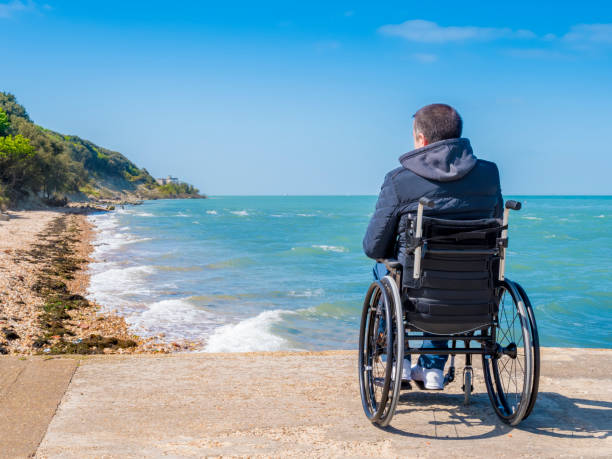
(43,282)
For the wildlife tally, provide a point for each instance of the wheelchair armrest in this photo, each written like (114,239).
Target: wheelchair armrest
(390,263)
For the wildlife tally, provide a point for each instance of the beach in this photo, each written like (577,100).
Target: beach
(43,261)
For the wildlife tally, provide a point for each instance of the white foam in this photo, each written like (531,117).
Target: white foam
(176,318)
(240,213)
(307,293)
(600,216)
(331,248)
(181,214)
(212,212)
(531,218)
(253,334)
(306,215)
(144,214)
(112,286)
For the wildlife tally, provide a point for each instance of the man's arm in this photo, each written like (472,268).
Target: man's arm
(379,239)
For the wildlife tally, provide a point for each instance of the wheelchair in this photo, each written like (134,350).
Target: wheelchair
(457,292)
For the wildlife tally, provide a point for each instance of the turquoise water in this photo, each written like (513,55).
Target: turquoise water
(267,273)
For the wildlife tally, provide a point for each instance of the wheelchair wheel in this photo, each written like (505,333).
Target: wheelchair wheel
(536,348)
(509,373)
(381,350)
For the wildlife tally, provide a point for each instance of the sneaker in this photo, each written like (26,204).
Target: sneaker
(432,378)
(406,371)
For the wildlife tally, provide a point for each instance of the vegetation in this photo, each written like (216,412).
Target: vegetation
(36,162)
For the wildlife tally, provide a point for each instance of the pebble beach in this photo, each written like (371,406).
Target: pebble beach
(43,282)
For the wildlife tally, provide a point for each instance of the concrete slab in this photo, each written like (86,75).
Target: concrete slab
(30,391)
(307,404)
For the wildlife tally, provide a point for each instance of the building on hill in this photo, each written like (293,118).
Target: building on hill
(167,180)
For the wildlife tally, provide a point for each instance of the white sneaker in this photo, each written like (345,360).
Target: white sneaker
(432,378)
(406,370)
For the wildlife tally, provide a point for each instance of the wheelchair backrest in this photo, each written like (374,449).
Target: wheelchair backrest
(455,291)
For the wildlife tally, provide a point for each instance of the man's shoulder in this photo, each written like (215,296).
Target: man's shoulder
(486,164)
(401,170)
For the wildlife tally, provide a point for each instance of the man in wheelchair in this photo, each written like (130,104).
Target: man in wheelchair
(443,168)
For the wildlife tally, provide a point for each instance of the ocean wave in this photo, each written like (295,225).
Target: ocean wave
(253,334)
(331,248)
(144,214)
(240,213)
(531,218)
(307,293)
(181,214)
(306,215)
(600,216)
(176,319)
(336,310)
(110,285)
(212,212)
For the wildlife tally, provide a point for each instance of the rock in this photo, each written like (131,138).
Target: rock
(4,217)
(10,334)
(3,350)
(83,325)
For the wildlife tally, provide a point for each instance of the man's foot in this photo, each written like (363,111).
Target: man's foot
(432,378)
(406,372)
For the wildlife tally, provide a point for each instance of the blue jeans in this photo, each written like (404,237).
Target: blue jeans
(425,360)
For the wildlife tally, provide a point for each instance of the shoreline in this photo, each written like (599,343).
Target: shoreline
(44,259)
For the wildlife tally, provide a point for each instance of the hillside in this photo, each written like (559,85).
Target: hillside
(37,164)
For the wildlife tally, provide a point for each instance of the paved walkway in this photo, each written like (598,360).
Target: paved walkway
(288,404)
(30,391)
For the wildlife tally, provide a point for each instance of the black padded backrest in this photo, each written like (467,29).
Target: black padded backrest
(456,290)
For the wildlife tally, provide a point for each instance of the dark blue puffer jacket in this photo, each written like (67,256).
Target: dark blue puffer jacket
(461,186)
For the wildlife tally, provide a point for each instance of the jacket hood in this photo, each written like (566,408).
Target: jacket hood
(444,161)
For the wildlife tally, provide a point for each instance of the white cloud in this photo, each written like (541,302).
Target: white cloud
(8,10)
(422,31)
(589,34)
(425,57)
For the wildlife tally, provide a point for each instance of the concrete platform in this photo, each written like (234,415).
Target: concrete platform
(30,391)
(307,404)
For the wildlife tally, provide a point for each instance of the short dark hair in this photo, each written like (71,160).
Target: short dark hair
(438,122)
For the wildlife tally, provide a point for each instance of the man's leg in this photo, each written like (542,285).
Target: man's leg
(429,361)
(430,367)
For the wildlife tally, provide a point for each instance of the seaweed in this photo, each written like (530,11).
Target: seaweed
(56,251)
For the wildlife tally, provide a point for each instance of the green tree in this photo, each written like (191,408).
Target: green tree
(4,122)
(15,157)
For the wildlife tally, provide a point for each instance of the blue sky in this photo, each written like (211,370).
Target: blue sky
(317,97)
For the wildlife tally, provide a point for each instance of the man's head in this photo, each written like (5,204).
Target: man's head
(436,122)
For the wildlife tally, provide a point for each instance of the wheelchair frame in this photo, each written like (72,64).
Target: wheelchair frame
(490,349)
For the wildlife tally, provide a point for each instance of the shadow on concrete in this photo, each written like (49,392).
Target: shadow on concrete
(553,415)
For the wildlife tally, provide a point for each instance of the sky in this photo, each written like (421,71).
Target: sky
(257,98)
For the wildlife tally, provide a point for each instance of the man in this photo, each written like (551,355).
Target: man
(443,168)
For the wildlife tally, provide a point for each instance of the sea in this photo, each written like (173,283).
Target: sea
(288,273)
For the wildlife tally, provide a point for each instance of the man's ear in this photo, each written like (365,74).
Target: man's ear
(420,140)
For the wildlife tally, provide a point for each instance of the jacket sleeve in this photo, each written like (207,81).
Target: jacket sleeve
(499,206)
(379,239)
